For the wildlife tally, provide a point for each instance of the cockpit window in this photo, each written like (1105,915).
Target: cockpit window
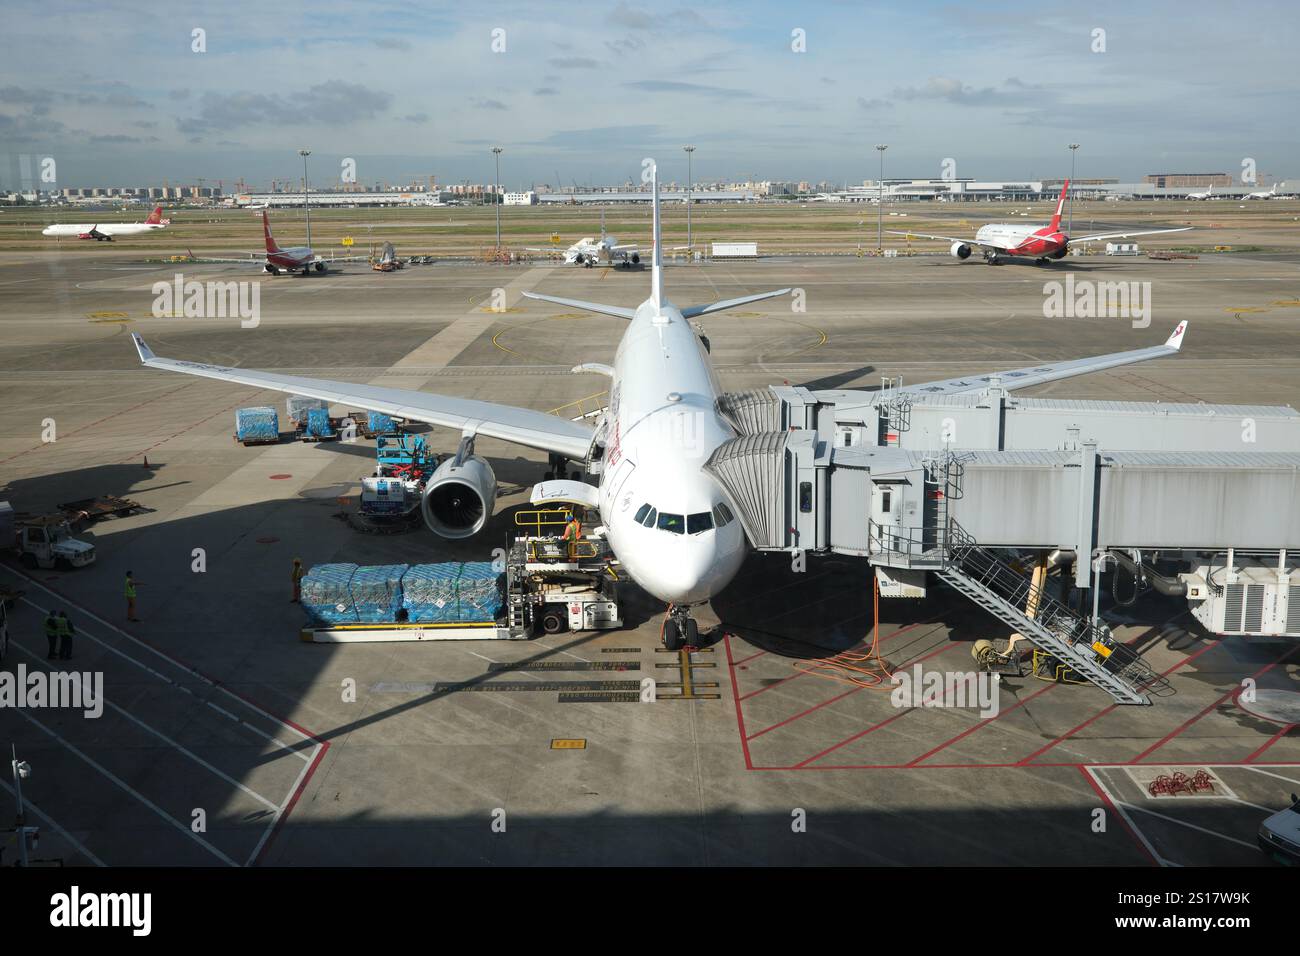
(723,514)
(641,513)
(649,519)
(674,523)
(703,521)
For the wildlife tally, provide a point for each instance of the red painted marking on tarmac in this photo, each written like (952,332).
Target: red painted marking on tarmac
(280,477)
(190,427)
(735,694)
(100,422)
(293,801)
(1183,727)
(1272,740)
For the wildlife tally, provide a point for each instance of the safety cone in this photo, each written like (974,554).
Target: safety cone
(146,461)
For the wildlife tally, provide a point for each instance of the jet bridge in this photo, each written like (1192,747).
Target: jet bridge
(951,484)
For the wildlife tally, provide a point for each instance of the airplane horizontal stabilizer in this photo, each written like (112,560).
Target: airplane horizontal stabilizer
(615,310)
(691,312)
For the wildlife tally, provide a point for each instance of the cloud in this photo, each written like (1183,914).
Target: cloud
(546,91)
(334,102)
(416,117)
(484,103)
(1012,92)
(25,95)
(676,86)
(573,62)
(872,105)
(392,43)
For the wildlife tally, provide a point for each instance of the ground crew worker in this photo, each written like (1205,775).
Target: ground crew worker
(298,575)
(129,591)
(66,630)
(572,532)
(52,635)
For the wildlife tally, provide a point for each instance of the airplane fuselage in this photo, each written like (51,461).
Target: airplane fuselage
(1021,240)
(661,427)
(99,230)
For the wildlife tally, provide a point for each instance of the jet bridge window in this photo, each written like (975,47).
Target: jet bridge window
(701,521)
(674,523)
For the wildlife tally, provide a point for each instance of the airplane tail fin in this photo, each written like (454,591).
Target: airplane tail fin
(270,240)
(657,255)
(155,217)
(1060,203)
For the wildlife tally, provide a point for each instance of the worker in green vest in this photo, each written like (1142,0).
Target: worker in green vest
(129,592)
(52,635)
(66,630)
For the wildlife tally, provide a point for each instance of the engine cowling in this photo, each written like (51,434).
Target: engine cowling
(959,250)
(458,499)
(636,259)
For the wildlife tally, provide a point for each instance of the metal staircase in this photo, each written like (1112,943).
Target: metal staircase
(1086,646)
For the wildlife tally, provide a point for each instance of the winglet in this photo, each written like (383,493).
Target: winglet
(145,353)
(1175,341)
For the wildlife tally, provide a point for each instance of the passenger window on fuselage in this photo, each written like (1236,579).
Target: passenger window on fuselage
(702,521)
(641,513)
(674,523)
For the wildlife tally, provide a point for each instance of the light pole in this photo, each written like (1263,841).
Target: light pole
(496,190)
(21,829)
(880,200)
(304,153)
(1070,227)
(689,150)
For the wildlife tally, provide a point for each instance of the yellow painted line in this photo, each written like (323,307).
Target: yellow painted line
(569,743)
(500,346)
(821,340)
(108,315)
(498,311)
(1242,308)
(1287,303)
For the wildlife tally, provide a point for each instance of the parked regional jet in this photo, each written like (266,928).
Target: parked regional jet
(1021,239)
(667,519)
(279,258)
(106,231)
(606,250)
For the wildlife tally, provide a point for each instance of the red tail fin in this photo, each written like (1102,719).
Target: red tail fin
(155,217)
(1056,218)
(270,240)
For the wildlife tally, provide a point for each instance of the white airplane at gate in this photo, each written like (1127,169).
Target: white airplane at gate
(670,523)
(104,232)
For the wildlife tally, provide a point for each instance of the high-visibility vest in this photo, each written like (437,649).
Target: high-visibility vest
(51,626)
(63,627)
(130,588)
(572,530)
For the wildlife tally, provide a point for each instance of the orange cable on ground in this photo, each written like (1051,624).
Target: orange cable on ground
(868,670)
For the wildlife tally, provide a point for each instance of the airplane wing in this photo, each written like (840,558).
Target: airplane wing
(341,259)
(1125,235)
(1052,371)
(259,260)
(523,426)
(624,247)
(968,242)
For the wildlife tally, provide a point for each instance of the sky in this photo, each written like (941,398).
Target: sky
(119,93)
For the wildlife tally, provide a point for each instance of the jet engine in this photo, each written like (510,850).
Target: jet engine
(1059,253)
(959,250)
(459,496)
(636,259)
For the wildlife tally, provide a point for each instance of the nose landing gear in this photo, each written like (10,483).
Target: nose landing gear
(680,629)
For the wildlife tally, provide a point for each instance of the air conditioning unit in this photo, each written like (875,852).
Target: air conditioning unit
(1249,599)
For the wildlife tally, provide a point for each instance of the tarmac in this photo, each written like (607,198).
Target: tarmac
(225,740)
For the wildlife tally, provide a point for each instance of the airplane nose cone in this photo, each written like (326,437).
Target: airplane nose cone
(695,572)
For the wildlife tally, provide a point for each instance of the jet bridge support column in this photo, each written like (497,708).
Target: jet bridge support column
(1086,538)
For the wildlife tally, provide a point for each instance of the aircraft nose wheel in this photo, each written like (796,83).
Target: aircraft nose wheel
(680,630)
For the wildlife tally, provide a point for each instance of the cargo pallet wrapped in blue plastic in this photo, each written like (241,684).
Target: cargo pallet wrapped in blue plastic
(327,595)
(380,424)
(297,407)
(318,424)
(257,425)
(453,593)
(377,593)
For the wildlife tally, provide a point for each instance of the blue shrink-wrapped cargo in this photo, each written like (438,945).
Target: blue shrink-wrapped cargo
(380,424)
(377,593)
(327,594)
(257,424)
(296,406)
(452,593)
(318,423)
